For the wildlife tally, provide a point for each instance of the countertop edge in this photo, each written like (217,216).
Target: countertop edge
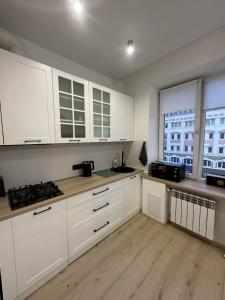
(213,192)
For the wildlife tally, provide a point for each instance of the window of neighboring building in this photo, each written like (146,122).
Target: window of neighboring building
(175,159)
(221,164)
(172,136)
(210,135)
(186,136)
(210,122)
(178,136)
(222,135)
(222,121)
(172,148)
(178,148)
(186,148)
(209,149)
(220,150)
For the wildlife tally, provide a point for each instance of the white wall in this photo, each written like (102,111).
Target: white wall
(20,165)
(199,59)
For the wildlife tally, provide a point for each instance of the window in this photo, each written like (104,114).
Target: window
(211,136)
(179,105)
(165,148)
(172,136)
(222,121)
(210,122)
(172,148)
(166,125)
(222,135)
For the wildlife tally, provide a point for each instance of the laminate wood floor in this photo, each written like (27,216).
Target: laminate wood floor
(142,260)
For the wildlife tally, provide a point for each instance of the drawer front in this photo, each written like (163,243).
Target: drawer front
(86,232)
(102,200)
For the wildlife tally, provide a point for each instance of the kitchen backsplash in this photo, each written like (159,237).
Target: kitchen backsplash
(20,165)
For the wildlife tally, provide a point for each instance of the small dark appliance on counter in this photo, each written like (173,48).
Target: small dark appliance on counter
(168,171)
(2,187)
(86,166)
(31,194)
(215,180)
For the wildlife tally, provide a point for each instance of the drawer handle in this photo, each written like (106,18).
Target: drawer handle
(122,140)
(132,177)
(107,223)
(42,211)
(32,141)
(96,209)
(74,141)
(94,194)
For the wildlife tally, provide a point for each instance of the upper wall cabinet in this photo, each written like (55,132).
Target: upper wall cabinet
(71,108)
(100,117)
(26,100)
(122,117)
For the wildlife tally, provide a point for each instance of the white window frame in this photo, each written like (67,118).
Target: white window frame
(197,165)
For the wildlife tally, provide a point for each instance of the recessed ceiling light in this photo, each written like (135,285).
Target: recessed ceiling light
(130,47)
(78,7)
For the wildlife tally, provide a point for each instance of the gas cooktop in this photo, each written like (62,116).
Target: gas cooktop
(30,194)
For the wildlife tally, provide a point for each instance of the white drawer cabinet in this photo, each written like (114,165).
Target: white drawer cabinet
(7,262)
(132,196)
(40,241)
(92,214)
(26,100)
(154,200)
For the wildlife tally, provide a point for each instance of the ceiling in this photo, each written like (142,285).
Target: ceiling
(98,39)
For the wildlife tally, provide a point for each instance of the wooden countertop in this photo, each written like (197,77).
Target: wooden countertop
(192,186)
(69,186)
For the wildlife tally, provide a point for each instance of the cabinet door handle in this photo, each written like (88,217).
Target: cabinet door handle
(74,141)
(94,194)
(42,211)
(132,177)
(103,140)
(107,223)
(32,141)
(123,140)
(96,209)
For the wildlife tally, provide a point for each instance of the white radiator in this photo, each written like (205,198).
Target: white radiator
(192,212)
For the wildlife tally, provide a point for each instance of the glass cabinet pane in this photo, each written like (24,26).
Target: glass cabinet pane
(98,120)
(97,107)
(65,100)
(65,85)
(106,121)
(79,131)
(66,131)
(106,97)
(97,132)
(66,115)
(106,109)
(79,117)
(78,89)
(78,103)
(96,94)
(106,132)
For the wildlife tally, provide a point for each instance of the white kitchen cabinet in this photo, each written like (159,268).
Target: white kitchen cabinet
(71,108)
(7,262)
(100,113)
(92,215)
(40,242)
(132,196)
(26,100)
(154,200)
(122,117)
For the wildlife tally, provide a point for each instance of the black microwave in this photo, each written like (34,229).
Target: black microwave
(168,171)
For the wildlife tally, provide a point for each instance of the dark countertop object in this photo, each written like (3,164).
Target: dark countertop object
(192,186)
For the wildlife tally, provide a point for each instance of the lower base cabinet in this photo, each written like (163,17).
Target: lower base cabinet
(154,200)
(7,263)
(40,242)
(132,196)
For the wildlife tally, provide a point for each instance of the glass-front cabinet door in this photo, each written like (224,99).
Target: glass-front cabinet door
(71,108)
(100,113)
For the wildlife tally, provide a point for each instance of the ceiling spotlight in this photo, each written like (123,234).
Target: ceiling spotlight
(78,6)
(130,47)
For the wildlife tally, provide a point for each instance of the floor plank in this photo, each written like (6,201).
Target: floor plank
(142,260)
